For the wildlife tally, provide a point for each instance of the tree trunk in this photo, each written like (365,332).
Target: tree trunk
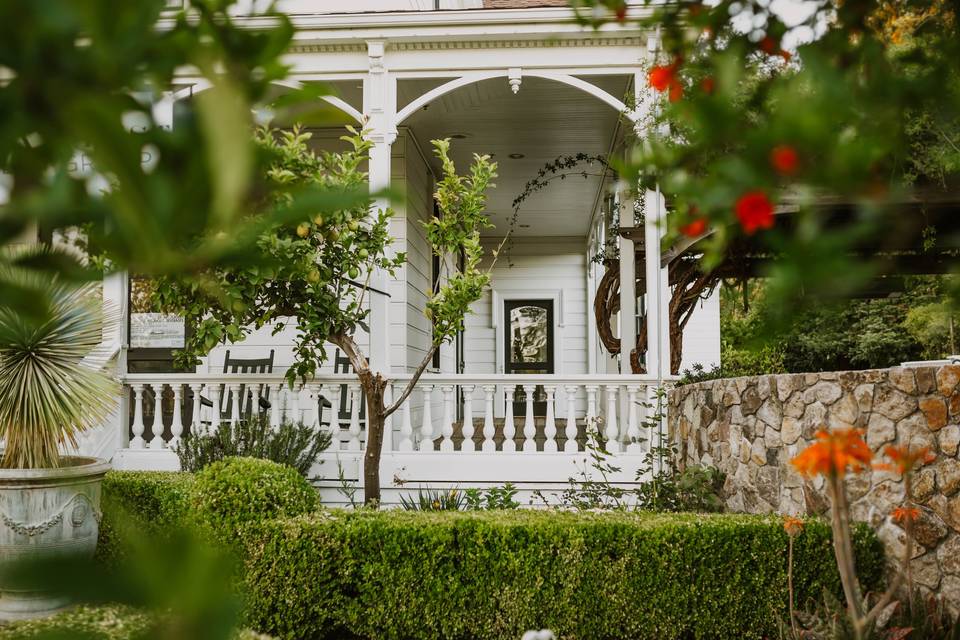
(373,387)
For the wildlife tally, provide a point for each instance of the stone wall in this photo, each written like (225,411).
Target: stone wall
(751,427)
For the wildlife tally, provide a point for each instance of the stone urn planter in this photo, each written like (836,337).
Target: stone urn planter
(44,513)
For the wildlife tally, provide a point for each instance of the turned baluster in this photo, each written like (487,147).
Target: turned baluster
(176,426)
(406,427)
(234,390)
(387,420)
(157,427)
(446,427)
(612,429)
(467,429)
(593,425)
(489,428)
(529,427)
(633,428)
(570,429)
(509,428)
(215,411)
(550,423)
(195,426)
(426,425)
(137,427)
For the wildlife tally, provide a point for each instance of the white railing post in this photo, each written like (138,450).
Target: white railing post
(195,418)
(176,425)
(275,408)
(509,428)
(467,427)
(354,443)
(157,426)
(215,412)
(633,429)
(336,391)
(550,425)
(612,428)
(592,416)
(426,425)
(137,442)
(446,427)
(529,427)
(489,428)
(406,427)
(234,391)
(570,429)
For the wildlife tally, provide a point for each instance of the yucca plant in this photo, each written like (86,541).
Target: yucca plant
(50,391)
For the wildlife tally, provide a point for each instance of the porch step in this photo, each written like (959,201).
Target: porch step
(518,439)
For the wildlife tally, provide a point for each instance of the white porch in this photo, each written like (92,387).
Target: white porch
(526,86)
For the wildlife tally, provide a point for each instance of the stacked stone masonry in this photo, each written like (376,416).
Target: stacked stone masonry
(751,427)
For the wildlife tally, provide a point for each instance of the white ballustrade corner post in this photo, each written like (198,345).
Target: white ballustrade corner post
(489,426)
(467,428)
(570,428)
(550,423)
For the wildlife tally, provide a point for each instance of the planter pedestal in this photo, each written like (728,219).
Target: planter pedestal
(45,513)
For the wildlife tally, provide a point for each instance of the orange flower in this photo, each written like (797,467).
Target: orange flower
(663,77)
(676,91)
(694,228)
(792,526)
(784,159)
(906,459)
(834,453)
(905,514)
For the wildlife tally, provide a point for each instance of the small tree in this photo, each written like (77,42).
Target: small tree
(315,273)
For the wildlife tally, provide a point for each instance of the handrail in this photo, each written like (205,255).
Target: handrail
(427,378)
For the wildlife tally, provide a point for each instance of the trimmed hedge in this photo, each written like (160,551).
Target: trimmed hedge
(153,502)
(495,575)
(234,493)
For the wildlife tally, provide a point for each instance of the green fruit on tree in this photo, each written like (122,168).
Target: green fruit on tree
(333,235)
(303,229)
(313,277)
(318,220)
(354,273)
(363,254)
(353,225)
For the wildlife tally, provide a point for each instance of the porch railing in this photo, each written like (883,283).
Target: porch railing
(445,412)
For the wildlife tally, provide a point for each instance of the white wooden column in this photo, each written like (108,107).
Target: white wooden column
(658,288)
(628,284)
(380,105)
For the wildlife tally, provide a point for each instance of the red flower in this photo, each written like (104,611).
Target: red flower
(707,84)
(676,91)
(694,228)
(768,45)
(661,76)
(784,159)
(755,211)
(834,453)
(621,13)
(904,514)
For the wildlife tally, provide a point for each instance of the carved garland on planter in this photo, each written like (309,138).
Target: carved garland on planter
(81,506)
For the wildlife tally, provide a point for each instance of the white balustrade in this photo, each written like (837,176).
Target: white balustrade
(214,398)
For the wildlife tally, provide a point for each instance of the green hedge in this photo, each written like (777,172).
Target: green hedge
(494,575)
(152,502)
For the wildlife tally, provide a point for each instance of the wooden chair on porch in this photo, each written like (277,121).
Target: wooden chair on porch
(243,365)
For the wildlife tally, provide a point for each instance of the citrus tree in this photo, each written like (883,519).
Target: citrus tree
(314,272)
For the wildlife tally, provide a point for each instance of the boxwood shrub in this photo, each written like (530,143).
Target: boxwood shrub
(496,574)
(151,502)
(233,493)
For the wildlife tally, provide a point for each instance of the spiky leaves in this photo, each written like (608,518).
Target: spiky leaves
(50,391)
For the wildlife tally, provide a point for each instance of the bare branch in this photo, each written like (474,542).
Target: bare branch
(424,363)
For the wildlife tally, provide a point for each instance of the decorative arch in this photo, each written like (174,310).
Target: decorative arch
(334,101)
(472,78)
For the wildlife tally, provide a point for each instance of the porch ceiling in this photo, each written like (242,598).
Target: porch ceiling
(546,119)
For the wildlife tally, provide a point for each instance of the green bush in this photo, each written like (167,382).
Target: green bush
(496,574)
(148,502)
(231,494)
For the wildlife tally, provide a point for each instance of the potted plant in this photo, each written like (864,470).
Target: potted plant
(51,390)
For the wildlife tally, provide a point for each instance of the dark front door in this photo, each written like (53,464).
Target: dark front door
(528,338)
